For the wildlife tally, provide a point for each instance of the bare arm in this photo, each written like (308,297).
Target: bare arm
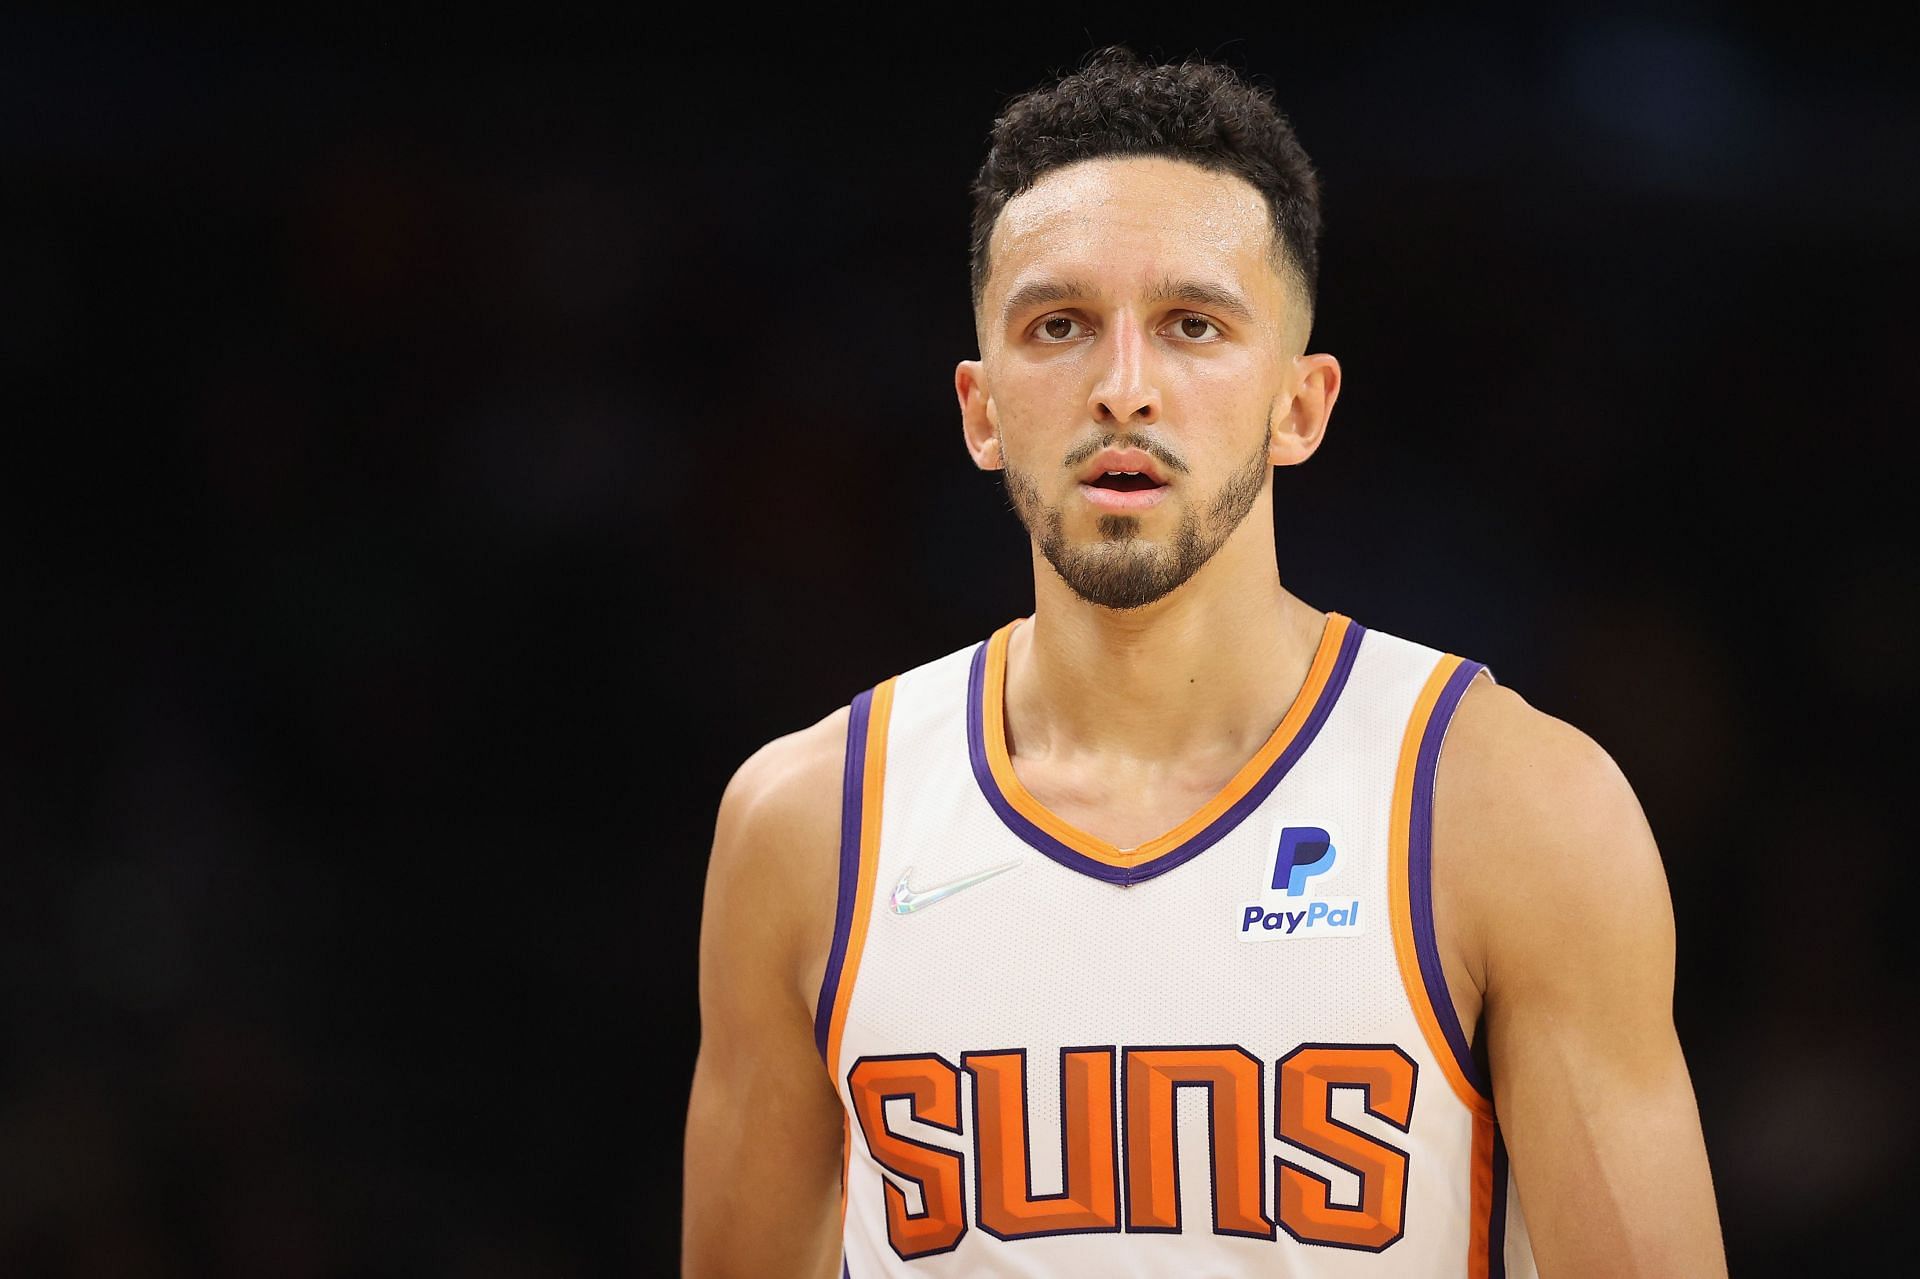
(1566,926)
(764,1126)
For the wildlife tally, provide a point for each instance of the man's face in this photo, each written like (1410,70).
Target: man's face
(1134,321)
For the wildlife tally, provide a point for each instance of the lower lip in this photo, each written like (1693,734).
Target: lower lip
(1118,500)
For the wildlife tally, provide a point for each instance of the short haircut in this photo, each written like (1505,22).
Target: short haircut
(1194,110)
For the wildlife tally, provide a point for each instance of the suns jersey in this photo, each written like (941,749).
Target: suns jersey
(1230,1051)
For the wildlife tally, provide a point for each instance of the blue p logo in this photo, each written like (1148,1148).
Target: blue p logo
(1305,851)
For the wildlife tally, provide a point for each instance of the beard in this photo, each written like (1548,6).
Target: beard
(1122,570)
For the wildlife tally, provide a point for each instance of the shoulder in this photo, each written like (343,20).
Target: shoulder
(790,786)
(1521,768)
(1538,836)
(776,841)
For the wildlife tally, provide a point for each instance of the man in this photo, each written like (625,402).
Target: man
(1181,928)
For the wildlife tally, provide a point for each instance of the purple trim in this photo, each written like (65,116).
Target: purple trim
(1497,1224)
(852,795)
(1212,834)
(1420,873)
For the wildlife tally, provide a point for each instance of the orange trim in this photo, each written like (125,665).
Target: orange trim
(871,782)
(1401,897)
(994,721)
(1479,1241)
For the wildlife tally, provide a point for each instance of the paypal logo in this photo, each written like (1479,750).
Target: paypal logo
(1305,851)
(1293,902)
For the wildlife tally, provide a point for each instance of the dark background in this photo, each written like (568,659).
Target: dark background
(436,459)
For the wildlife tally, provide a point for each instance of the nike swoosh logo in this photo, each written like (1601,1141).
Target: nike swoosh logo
(907,898)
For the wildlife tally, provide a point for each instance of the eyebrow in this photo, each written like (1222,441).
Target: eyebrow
(1213,296)
(1045,293)
(1166,289)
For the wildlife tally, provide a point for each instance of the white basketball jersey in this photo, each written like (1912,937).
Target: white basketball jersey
(1230,1051)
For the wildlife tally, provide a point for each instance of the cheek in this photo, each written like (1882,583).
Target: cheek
(1034,414)
(1224,403)
(1223,382)
(1037,388)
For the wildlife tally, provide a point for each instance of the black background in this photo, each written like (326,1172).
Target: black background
(437,457)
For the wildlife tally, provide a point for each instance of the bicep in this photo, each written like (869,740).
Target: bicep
(1590,1084)
(762,1166)
(763,1137)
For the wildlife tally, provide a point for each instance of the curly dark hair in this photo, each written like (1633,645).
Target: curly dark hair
(1194,110)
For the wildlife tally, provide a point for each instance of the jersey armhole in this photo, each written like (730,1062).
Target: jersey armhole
(1411,880)
(861,784)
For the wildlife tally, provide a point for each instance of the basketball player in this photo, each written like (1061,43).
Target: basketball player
(1181,928)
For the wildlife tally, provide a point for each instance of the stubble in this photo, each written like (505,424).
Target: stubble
(1122,570)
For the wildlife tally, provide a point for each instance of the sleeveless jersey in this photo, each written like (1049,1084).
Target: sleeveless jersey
(1229,1051)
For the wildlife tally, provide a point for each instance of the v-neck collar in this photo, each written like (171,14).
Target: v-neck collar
(1026,817)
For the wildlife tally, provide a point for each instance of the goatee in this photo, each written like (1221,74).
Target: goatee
(1122,571)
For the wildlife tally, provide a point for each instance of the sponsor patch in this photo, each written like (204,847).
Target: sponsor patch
(1299,893)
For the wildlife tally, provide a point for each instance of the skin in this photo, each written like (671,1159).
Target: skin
(1124,721)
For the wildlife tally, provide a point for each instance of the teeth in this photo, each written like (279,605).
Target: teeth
(1123,472)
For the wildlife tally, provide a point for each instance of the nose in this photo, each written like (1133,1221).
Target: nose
(1127,389)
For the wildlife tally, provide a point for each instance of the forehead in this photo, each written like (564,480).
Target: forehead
(1134,219)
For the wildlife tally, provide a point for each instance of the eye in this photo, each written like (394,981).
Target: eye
(1058,328)
(1196,327)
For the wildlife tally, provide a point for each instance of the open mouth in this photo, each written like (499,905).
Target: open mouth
(1123,482)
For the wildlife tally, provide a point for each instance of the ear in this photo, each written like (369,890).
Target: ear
(979,420)
(1300,423)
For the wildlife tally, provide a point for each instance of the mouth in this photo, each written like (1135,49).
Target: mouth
(1124,481)
(1123,490)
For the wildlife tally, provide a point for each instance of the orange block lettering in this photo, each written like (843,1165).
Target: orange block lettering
(1235,1084)
(1304,1084)
(931,1086)
(1089,1199)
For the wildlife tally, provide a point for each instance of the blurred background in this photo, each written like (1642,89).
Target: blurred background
(436,457)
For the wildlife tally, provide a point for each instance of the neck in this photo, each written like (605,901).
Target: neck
(1203,674)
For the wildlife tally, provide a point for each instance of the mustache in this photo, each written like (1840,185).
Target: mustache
(1153,447)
